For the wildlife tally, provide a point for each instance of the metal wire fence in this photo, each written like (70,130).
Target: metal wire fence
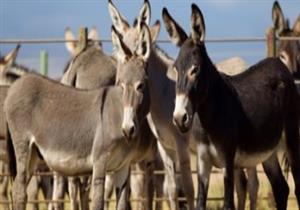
(209,40)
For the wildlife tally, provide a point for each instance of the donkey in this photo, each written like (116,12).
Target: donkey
(173,146)
(85,66)
(231,66)
(288,50)
(92,69)
(244,115)
(109,120)
(9,72)
(161,77)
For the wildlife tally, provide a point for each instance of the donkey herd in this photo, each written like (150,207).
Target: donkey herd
(139,108)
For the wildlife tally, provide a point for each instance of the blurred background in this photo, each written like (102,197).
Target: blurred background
(36,19)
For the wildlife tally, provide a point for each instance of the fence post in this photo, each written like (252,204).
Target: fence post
(271,42)
(44,62)
(82,40)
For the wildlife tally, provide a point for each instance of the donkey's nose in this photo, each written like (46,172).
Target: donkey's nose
(128,131)
(180,119)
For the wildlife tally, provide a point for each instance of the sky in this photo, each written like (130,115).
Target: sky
(20,19)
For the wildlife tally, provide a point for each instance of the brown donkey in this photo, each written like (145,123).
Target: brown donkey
(80,132)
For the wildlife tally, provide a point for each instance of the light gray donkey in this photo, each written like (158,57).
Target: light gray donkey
(9,72)
(86,134)
(91,69)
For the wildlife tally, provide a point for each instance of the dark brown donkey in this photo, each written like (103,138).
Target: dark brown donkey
(79,132)
(244,115)
(288,50)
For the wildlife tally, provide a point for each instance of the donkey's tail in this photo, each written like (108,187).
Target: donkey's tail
(285,165)
(11,154)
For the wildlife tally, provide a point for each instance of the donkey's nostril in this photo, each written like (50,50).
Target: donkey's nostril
(128,132)
(185,119)
(131,131)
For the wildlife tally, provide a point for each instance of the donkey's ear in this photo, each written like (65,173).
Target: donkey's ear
(117,18)
(71,46)
(144,43)
(296,27)
(145,13)
(119,48)
(154,31)
(197,24)
(176,33)
(93,34)
(11,56)
(279,23)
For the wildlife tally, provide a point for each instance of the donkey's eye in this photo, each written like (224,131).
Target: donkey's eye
(194,70)
(140,86)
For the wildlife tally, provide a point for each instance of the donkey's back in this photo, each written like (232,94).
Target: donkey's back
(84,69)
(54,118)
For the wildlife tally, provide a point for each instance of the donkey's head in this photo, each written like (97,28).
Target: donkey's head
(6,67)
(72,46)
(288,50)
(130,34)
(189,64)
(132,78)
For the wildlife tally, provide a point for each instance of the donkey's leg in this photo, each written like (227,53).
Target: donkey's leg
(241,187)
(32,192)
(252,185)
(98,181)
(204,169)
(4,185)
(59,185)
(109,187)
(45,182)
(293,146)
(46,185)
(73,185)
(25,168)
(137,185)
(229,181)
(158,181)
(279,186)
(183,153)
(141,185)
(122,180)
(170,178)
(84,192)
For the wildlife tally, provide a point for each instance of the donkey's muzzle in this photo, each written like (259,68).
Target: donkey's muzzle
(182,122)
(128,132)
(181,117)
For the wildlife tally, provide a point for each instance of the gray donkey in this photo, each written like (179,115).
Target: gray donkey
(9,72)
(95,131)
(91,69)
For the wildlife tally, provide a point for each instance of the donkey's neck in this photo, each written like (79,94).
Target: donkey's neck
(162,88)
(217,98)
